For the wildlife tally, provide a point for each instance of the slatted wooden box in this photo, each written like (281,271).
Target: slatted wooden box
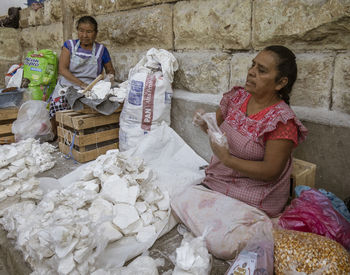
(92,134)
(7,117)
(303,173)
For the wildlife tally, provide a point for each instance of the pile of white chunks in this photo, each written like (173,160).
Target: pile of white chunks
(115,197)
(19,163)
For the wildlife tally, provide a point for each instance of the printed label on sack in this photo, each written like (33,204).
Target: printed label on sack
(167,99)
(245,264)
(148,99)
(135,93)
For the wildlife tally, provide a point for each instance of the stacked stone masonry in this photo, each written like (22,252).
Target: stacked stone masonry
(214,43)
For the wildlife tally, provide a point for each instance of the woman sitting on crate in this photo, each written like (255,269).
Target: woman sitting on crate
(80,62)
(255,164)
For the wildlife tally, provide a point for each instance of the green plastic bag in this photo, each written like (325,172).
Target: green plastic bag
(41,67)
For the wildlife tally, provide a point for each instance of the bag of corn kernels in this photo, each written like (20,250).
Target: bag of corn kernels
(308,253)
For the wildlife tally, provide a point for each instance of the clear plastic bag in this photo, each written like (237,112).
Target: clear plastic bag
(192,257)
(257,256)
(313,212)
(33,121)
(214,132)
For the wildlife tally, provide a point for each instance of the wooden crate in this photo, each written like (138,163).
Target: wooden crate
(7,117)
(92,134)
(303,173)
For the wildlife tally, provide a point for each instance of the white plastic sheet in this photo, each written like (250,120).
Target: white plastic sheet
(176,166)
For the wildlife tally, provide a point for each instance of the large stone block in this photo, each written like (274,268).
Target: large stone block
(329,148)
(103,6)
(42,37)
(132,4)
(314,24)
(341,85)
(30,17)
(27,18)
(52,12)
(79,7)
(38,17)
(313,85)
(211,24)
(182,111)
(140,29)
(240,63)
(203,72)
(50,37)
(27,39)
(10,48)
(123,62)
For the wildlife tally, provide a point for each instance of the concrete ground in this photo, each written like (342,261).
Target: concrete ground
(12,262)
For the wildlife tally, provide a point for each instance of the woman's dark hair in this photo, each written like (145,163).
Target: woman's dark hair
(286,67)
(89,20)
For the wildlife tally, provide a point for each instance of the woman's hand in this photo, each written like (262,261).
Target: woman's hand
(199,121)
(83,85)
(219,147)
(197,118)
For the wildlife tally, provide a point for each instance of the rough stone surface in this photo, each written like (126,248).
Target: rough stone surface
(10,49)
(27,18)
(137,29)
(202,72)
(131,4)
(42,37)
(221,24)
(182,112)
(313,85)
(52,12)
(240,63)
(314,24)
(329,148)
(79,7)
(341,86)
(103,6)
(123,62)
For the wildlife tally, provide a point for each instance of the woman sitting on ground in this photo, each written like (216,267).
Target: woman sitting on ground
(261,131)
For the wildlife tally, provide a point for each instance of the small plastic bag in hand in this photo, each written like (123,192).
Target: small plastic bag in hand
(214,132)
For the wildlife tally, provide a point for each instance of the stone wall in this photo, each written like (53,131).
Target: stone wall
(214,43)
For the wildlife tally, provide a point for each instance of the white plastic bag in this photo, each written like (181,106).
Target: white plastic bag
(10,73)
(149,96)
(257,256)
(192,257)
(33,121)
(16,79)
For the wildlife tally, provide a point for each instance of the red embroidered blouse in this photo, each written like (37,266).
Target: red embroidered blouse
(246,138)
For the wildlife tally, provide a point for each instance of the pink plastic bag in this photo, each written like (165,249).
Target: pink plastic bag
(313,212)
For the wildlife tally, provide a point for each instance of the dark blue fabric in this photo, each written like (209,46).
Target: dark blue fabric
(105,55)
(29,2)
